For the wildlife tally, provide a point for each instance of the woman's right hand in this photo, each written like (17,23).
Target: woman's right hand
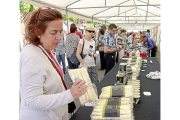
(78,88)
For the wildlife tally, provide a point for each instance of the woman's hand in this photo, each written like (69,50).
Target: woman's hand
(78,88)
(96,55)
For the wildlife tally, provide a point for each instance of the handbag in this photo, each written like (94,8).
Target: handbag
(73,57)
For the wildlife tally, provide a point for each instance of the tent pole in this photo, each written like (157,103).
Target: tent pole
(67,20)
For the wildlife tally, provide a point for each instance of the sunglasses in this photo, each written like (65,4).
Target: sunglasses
(90,31)
(42,8)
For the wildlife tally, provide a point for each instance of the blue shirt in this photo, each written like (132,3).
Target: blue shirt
(109,41)
(147,35)
(150,44)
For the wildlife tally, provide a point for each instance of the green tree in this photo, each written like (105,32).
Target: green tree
(26,7)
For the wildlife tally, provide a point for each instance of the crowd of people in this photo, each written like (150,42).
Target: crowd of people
(44,94)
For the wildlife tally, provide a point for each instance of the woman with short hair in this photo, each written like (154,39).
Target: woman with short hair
(71,44)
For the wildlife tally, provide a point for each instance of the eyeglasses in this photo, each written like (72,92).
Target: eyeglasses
(90,31)
(114,30)
(42,8)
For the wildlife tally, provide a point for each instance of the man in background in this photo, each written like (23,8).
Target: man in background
(150,44)
(110,47)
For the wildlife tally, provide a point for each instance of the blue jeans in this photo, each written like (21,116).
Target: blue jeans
(61,58)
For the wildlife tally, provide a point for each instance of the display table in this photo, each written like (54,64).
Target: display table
(149,108)
(141,54)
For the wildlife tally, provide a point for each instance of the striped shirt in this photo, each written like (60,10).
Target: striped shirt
(109,41)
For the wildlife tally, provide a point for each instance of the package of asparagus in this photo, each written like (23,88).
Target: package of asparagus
(121,78)
(135,53)
(110,112)
(136,85)
(144,61)
(91,94)
(115,101)
(122,66)
(117,91)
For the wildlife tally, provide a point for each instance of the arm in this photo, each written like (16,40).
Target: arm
(107,50)
(79,50)
(32,82)
(150,45)
(80,35)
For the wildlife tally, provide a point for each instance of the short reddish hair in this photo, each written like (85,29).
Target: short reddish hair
(44,17)
(73,28)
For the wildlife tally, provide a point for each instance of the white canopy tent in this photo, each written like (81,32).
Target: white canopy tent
(129,14)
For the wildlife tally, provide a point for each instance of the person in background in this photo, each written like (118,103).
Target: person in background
(110,47)
(89,51)
(133,36)
(44,95)
(121,43)
(77,32)
(143,33)
(101,50)
(147,34)
(102,27)
(150,44)
(60,54)
(71,44)
(117,53)
(127,35)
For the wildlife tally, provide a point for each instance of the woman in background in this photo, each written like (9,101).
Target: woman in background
(89,51)
(60,54)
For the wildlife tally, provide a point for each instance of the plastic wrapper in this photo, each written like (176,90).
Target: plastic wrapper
(135,53)
(91,94)
(121,78)
(122,67)
(115,101)
(117,91)
(144,61)
(136,85)
(110,112)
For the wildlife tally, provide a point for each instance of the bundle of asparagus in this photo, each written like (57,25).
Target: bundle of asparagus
(144,61)
(118,112)
(117,91)
(115,101)
(136,84)
(91,94)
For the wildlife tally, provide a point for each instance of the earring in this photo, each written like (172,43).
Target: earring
(38,36)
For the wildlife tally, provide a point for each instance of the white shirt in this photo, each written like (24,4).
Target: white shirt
(130,39)
(43,96)
(89,48)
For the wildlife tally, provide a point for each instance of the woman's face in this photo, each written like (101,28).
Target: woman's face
(52,36)
(89,33)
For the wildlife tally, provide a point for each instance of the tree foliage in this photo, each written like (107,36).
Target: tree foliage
(26,7)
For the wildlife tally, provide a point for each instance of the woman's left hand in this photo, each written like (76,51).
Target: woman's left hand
(96,55)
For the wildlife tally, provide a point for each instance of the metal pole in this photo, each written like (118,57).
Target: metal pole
(147,11)
(92,20)
(125,15)
(117,6)
(67,20)
(105,3)
(118,11)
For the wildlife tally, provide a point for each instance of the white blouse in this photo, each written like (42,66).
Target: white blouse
(43,96)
